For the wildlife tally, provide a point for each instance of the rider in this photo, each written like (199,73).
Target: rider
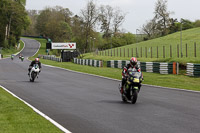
(36,61)
(132,64)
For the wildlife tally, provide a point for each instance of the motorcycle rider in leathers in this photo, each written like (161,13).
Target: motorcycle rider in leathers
(132,64)
(36,61)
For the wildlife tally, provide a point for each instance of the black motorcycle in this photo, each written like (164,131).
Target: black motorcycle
(132,86)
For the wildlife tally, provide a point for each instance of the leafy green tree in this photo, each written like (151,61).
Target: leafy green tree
(197,23)
(186,24)
(13,21)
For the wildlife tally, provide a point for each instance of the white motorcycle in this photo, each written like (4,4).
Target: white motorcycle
(34,72)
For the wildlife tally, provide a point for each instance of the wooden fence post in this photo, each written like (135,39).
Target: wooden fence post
(157,52)
(120,52)
(195,50)
(117,52)
(132,52)
(128,52)
(163,51)
(124,52)
(186,49)
(178,51)
(146,51)
(170,51)
(136,52)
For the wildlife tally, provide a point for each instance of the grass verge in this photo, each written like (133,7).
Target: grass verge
(173,81)
(16,117)
(9,52)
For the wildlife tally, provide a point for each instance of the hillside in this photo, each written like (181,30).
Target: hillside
(189,37)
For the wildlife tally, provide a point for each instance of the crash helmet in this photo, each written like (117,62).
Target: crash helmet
(36,60)
(133,61)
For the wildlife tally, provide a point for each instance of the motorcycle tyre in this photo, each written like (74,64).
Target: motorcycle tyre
(134,96)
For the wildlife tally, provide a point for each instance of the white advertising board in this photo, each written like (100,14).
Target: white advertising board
(68,45)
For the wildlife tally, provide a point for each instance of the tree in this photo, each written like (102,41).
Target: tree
(14,20)
(55,23)
(118,19)
(42,20)
(150,29)
(162,16)
(77,26)
(174,25)
(105,17)
(197,23)
(89,16)
(186,24)
(31,30)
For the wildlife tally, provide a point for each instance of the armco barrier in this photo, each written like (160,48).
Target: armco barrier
(193,69)
(89,62)
(50,57)
(155,67)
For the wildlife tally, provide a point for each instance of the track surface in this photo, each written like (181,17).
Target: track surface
(88,104)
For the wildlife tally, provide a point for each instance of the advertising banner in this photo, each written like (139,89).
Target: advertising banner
(70,45)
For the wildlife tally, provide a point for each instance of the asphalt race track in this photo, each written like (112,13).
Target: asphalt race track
(88,104)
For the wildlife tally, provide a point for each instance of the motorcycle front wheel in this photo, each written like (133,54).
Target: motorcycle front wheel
(134,96)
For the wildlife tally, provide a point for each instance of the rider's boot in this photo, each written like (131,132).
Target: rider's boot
(121,90)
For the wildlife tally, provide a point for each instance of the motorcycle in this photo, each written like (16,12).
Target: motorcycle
(12,57)
(34,72)
(132,86)
(22,58)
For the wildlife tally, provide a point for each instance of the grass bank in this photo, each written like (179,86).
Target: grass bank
(16,117)
(162,49)
(174,81)
(9,52)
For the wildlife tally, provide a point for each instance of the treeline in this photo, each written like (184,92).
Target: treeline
(13,19)
(93,28)
(162,24)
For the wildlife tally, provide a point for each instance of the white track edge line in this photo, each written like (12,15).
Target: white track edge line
(21,49)
(36,110)
(39,112)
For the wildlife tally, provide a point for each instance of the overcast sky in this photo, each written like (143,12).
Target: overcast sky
(138,11)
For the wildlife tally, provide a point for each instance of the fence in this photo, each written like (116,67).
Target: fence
(193,69)
(167,51)
(50,57)
(155,67)
(89,62)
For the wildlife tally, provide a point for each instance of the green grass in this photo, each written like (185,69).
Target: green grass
(188,36)
(9,52)
(16,117)
(174,81)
